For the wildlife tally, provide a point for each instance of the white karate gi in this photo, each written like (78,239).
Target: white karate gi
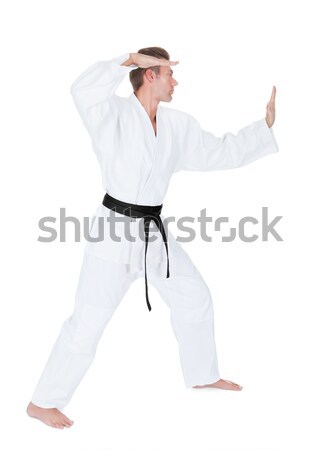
(136,167)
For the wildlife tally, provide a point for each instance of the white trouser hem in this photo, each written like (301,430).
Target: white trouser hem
(46,404)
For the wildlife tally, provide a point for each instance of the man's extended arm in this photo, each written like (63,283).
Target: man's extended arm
(202,151)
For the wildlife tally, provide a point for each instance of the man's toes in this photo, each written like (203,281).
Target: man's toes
(67,421)
(235,385)
(70,422)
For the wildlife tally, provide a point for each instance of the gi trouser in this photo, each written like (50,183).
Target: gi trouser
(102,285)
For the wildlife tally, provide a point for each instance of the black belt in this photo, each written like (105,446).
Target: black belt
(149,213)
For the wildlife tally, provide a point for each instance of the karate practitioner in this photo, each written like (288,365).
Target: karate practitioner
(139,145)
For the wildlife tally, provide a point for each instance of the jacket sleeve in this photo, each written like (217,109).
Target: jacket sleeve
(202,151)
(94,89)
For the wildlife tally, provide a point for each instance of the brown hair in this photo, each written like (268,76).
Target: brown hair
(136,75)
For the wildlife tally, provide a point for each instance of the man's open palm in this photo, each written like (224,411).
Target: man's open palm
(145,61)
(270,109)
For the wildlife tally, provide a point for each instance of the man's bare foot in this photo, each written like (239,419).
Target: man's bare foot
(222,384)
(50,416)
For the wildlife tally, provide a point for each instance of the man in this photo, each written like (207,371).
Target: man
(139,145)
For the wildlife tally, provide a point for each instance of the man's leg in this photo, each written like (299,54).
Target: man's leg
(192,320)
(102,285)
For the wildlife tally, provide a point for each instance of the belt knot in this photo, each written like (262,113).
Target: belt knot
(149,213)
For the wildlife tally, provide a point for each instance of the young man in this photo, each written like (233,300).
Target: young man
(139,145)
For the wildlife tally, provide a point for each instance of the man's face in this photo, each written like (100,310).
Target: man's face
(164,84)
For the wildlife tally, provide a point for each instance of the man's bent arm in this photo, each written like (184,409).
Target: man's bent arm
(93,90)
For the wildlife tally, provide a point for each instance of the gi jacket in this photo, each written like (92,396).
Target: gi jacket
(137,165)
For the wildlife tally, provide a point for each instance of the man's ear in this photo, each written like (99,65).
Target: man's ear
(150,75)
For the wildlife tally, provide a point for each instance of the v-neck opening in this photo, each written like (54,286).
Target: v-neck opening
(157,115)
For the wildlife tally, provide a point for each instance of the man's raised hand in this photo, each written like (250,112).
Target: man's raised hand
(270,109)
(145,61)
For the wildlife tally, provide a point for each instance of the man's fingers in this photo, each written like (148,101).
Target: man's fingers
(147,61)
(165,62)
(162,61)
(272,99)
(271,103)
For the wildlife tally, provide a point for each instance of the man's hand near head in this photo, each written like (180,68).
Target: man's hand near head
(145,61)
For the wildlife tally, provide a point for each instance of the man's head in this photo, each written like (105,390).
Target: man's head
(158,80)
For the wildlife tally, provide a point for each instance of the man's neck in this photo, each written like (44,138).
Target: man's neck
(149,104)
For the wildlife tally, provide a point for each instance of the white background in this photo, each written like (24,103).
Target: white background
(266,294)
